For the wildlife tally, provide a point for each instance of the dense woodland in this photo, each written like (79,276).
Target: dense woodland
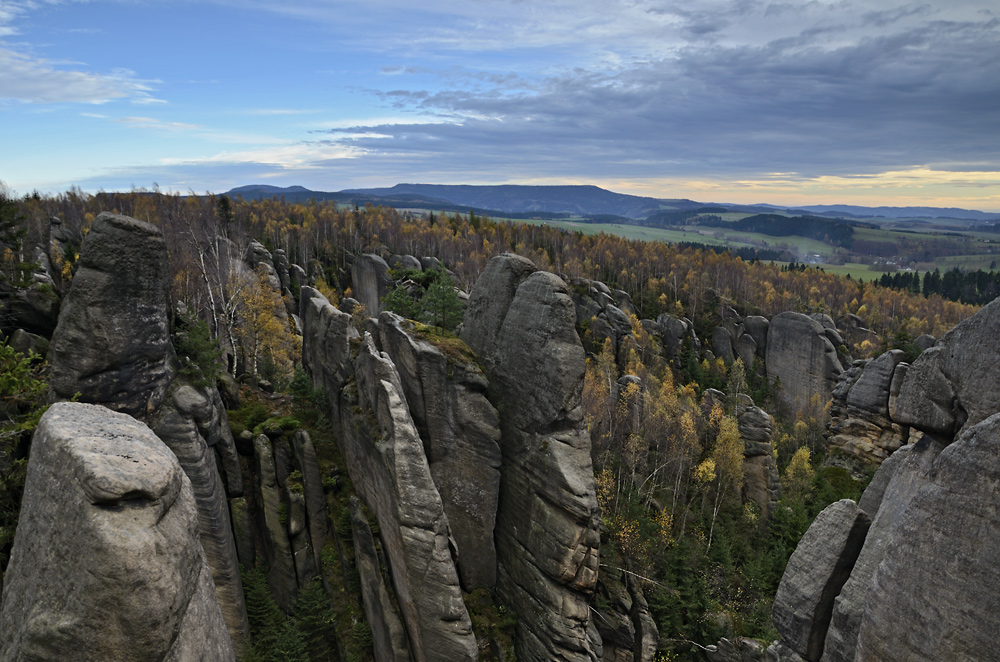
(668,460)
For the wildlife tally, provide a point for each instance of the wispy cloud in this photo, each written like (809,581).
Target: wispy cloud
(32,80)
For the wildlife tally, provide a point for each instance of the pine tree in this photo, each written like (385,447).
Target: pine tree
(314,617)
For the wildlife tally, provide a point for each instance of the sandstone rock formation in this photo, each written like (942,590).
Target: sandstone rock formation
(952,385)
(861,424)
(107,563)
(521,323)
(802,356)
(112,347)
(761,481)
(112,344)
(446,396)
(386,460)
(388,633)
(934,594)
(816,571)
(369,277)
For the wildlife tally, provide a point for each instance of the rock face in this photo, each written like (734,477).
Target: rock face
(816,571)
(446,396)
(112,343)
(388,634)
(369,275)
(923,585)
(952,385)
(801,355)
(898,479)
(107,563)
(861,424)
(326,344)
(547,532)
(113,347)
(387,463)
(761,483)
(934,594)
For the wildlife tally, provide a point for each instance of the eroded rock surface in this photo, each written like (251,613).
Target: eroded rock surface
(816,571)
(522,323)
(386,460)
(107,563)
(446,396)
(934,594)
(112,343)
(801,355)
(953,385)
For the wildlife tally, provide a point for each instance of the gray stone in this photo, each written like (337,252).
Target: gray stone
(460,429)
(722,344)
(488,304)
(431,263)
(899,478)
(112,344)
(756,327)
(925,341)
(934,594)
(312,487)
(326,345)
(739,649)
(895,386)
(186,423)
(746,349)
(34,308)
(23,342)
(280,263)
(778,652)
(952,385)
(816,571)
(246,549)
(370,278)
(547,569)
(388,634)
(871,392)
(404,262)
(106,564)
(386,461)
(281,578)
(801,356)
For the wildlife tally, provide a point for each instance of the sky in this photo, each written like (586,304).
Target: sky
(868,102)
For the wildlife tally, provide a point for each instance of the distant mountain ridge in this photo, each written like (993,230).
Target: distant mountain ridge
(575,200)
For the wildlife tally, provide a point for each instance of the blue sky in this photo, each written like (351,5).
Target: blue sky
(866,102)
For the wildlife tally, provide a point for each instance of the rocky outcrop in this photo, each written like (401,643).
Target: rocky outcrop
(934,594)
(952,386)
(816,571)
(761,484)
(802,356)
(386,460)
(521,322)
(370,278)
(112,347)
(107,563)
(923,584)
(895,484)
(460,430)
(326,345)
(388,634)
(112,344)
(861,424)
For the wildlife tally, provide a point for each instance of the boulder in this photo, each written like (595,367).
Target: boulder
(756,327)
(523,326)
(460,430)
(370,279)
(326,345)
(761,484)
(112,343)
(934,594)
(801,356)
(404,262)
(107,563)
(871,392)
(952,385)
(816,571)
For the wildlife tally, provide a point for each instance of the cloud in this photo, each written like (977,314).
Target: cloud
(32,80)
